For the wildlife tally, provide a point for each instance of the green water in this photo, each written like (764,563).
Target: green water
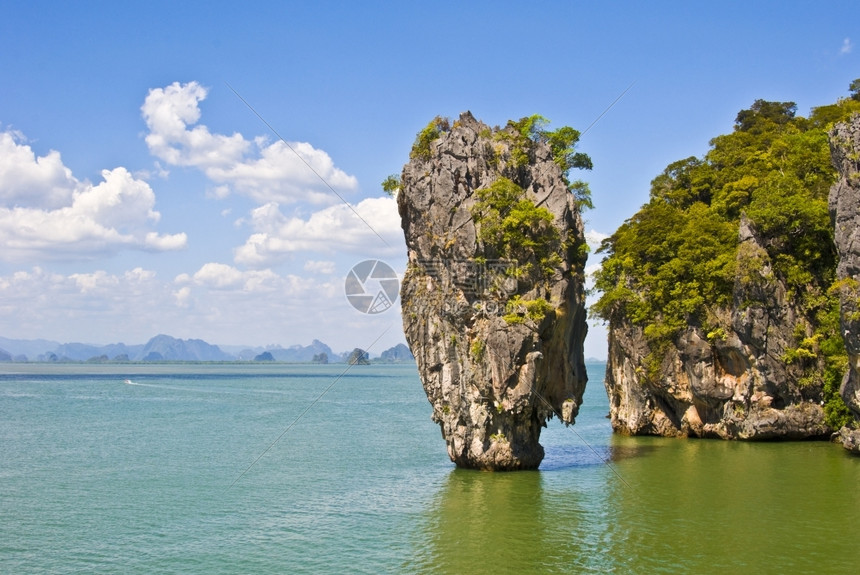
(163,476)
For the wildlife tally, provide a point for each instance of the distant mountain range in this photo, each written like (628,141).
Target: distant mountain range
(167,348)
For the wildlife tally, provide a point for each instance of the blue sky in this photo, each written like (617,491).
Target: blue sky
(139,195)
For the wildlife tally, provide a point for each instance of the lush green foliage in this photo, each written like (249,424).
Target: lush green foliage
(391,184)
(523,132)
(674,263)
(519,309)
(421,147)
(854,88)
(562,142)
(512,227)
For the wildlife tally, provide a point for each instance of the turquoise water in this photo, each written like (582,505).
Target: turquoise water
(98,476)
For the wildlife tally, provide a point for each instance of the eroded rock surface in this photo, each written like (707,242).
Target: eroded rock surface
(732,383)
(497,333)
(845,213)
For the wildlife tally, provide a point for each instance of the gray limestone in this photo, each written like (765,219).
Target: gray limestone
(493,372)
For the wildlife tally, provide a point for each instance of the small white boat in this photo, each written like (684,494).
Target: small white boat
(129,382)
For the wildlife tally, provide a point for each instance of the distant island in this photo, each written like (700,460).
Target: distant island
(165,348)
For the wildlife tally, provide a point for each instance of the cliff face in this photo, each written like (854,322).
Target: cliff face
(492,299)
(732,383)
(845,213)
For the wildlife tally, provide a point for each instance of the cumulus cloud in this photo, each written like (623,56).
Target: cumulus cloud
(846,46)
(46,213)
(319,267)
(182,296)
(226,277)
(263,170)
(102,281)
(29,181)
(330,230)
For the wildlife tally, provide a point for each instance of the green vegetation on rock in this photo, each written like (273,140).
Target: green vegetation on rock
(523,133)
(520,136)
(391,184)
(534,309)
(511,226)
(431,132)
(674,264)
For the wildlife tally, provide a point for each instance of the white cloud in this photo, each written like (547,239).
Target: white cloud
(46,213)
(104,283)
(225,277)
(95,281)
(846,46)
(167,242)
(139,275)
(157,172)
(593,238)
(330,230)
(29,181)
(182,296)
(589,280)
(168,113)
(262,170)
(320,267)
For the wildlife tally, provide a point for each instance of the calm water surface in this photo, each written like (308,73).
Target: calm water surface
(99,476)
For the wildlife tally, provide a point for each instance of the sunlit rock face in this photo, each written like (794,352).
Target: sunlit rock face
(497,333)
(732,384)
(845,214)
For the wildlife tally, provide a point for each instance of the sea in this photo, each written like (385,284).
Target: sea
(275,468)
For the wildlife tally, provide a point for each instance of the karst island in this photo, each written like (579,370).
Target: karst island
(493,297)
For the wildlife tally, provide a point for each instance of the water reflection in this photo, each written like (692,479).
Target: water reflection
(521,522)
(482,522)
(556,520)
(716,506)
